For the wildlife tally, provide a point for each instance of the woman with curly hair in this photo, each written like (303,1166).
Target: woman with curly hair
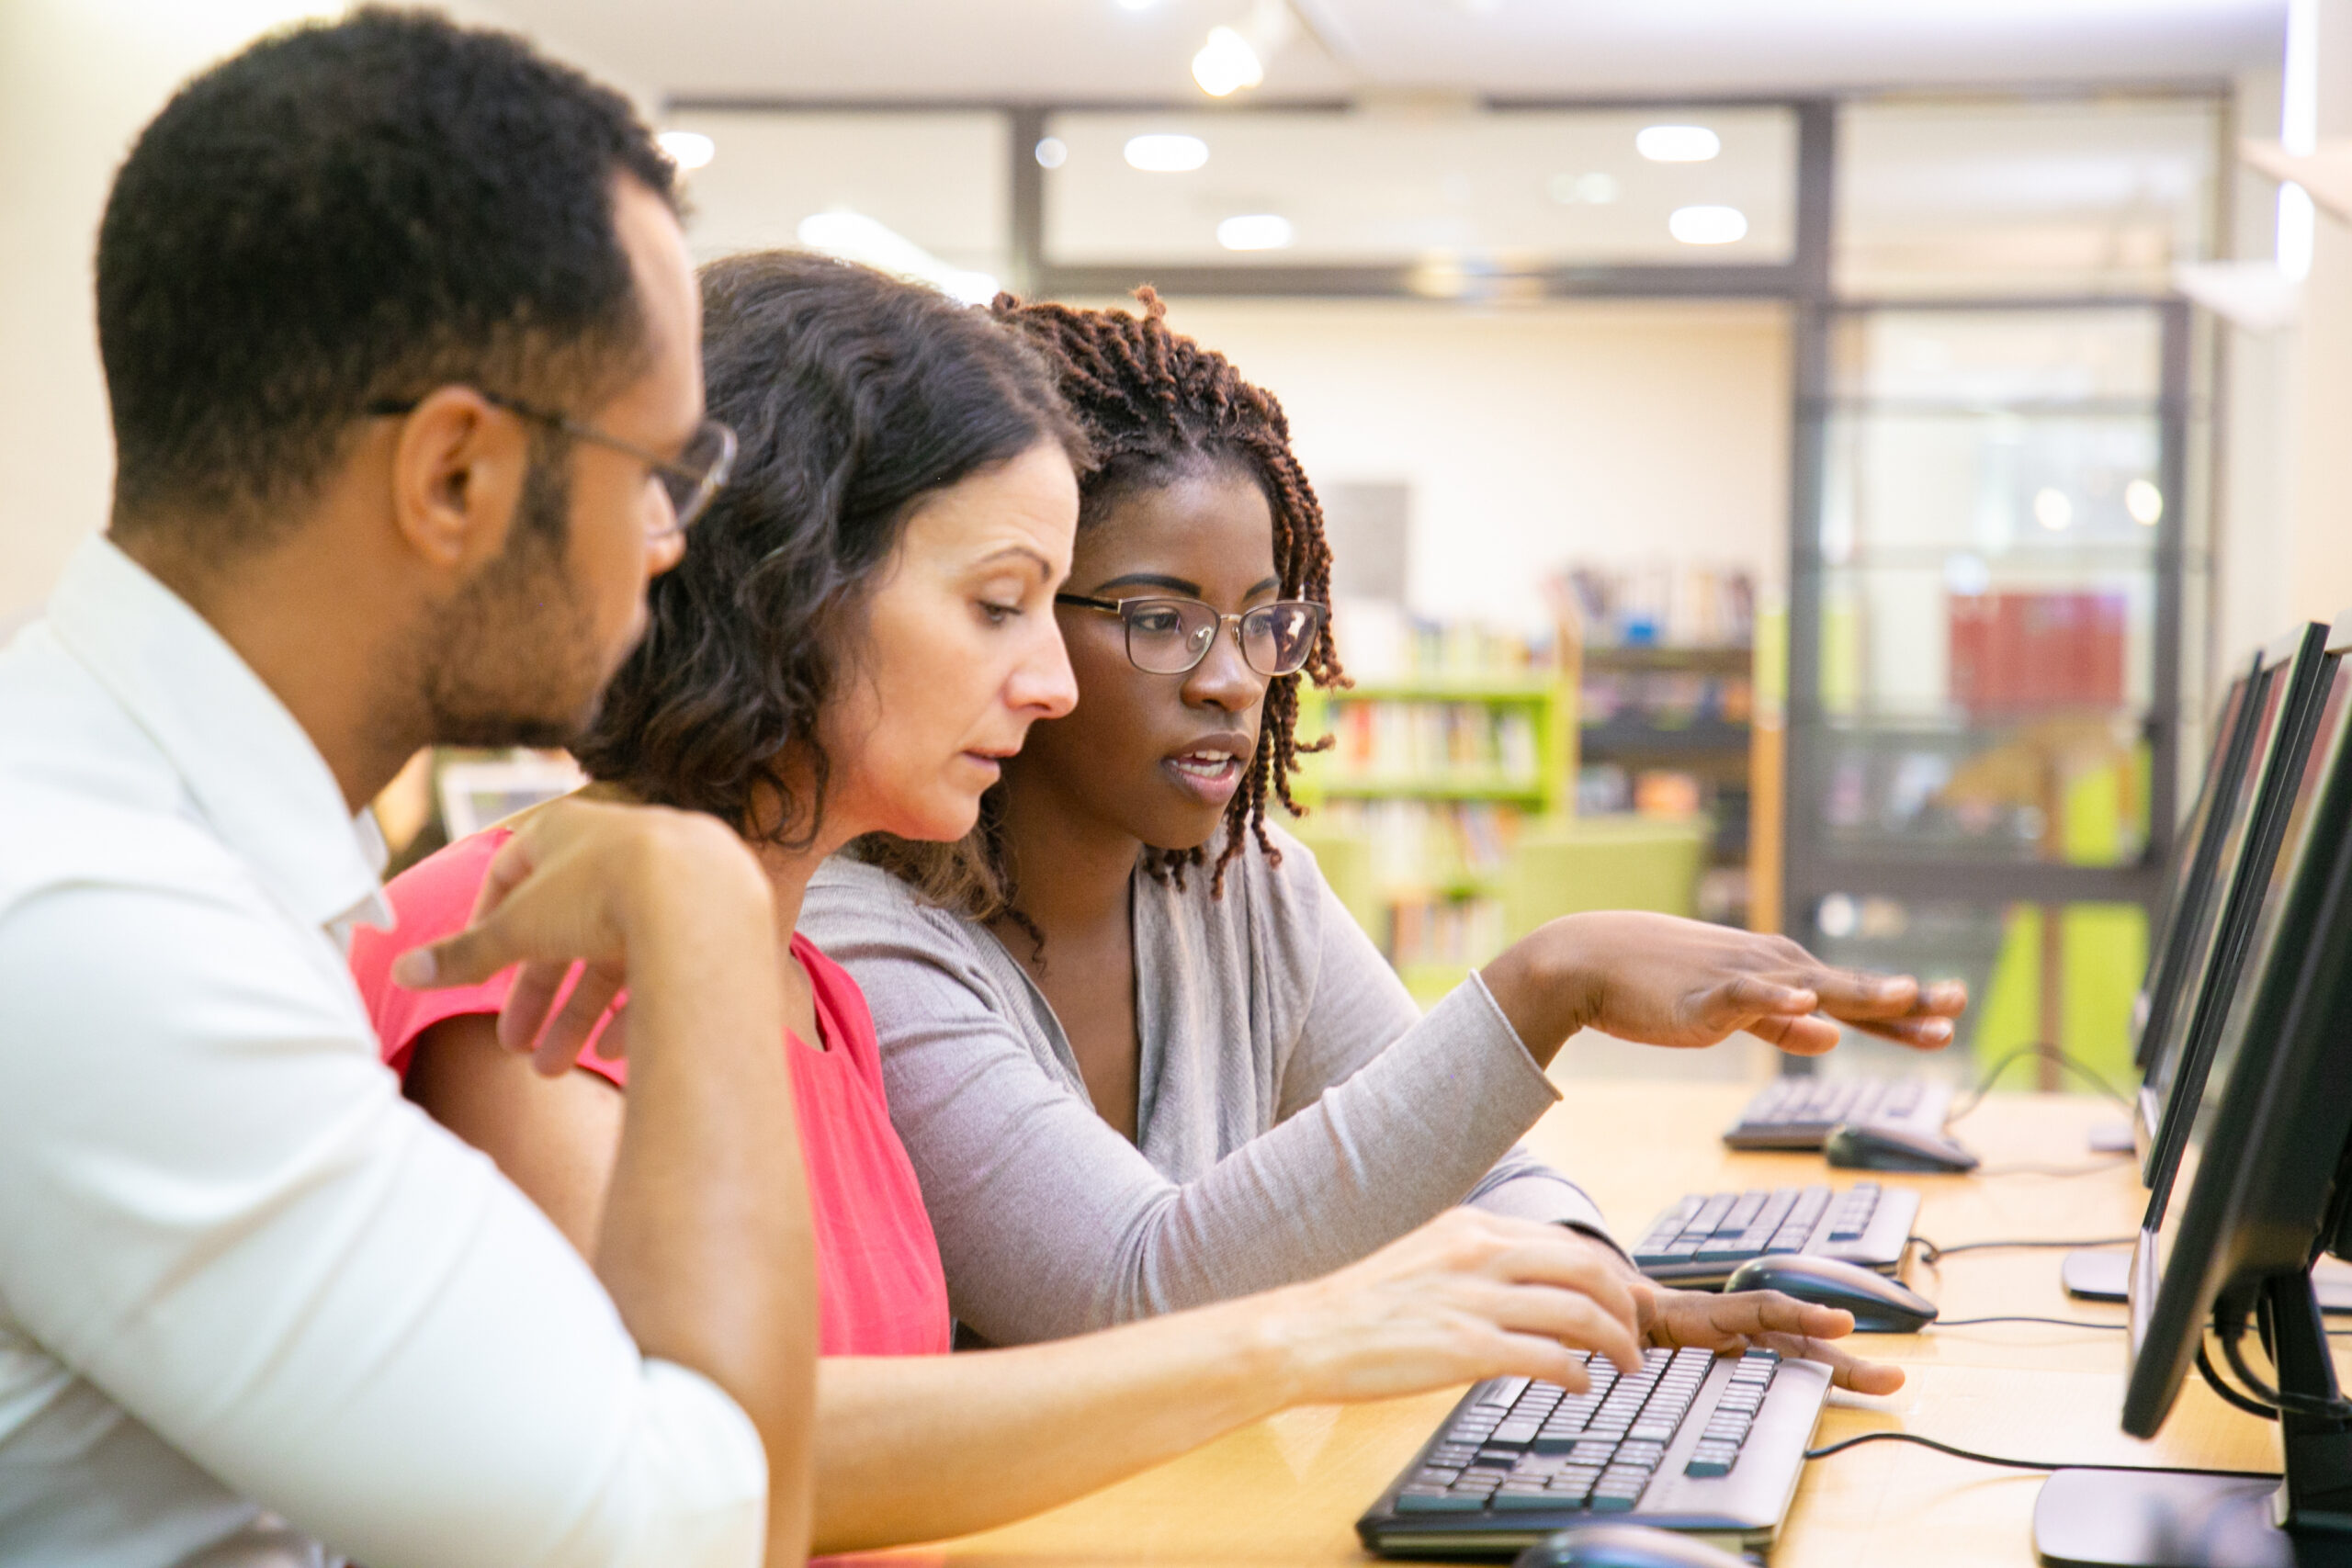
(856,639)
(1142,1057)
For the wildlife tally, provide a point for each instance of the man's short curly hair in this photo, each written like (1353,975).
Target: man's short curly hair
(351,213)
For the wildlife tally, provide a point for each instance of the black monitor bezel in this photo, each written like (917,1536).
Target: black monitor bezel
(2299,658)
(2270,1189)
(2168,948)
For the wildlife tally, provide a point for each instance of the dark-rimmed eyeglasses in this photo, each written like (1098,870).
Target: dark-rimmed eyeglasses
(1171,636)
(689,480)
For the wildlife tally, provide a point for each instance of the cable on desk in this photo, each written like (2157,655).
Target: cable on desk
(1930,1254)
(1974,1458)
(2060,1322)
(2043,1050)
(2296,1404)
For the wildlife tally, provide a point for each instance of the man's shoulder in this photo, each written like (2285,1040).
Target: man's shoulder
(86,796)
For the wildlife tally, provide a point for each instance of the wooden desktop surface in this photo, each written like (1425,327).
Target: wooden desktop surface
(1288,1490)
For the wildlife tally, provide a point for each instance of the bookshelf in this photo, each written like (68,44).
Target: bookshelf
(1669,731)
(1430,784)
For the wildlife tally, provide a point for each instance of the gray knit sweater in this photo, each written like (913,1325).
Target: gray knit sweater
(1294,1111)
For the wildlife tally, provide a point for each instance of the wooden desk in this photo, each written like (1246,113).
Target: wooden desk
(1289,1490)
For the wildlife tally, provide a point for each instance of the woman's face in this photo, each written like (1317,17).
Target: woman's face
(1159,757)
(960,652)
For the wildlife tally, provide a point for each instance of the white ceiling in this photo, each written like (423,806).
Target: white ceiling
(1100,49)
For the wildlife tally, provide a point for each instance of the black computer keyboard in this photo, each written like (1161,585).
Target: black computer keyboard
(1691,1441)
(1798,1112)
(1701,1239)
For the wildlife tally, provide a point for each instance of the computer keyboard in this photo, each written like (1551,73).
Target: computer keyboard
(1698,1241)
(1798,1112)
(1692,1441)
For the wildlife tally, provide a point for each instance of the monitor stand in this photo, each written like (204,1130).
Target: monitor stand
(2188,1518)
(2101,1276)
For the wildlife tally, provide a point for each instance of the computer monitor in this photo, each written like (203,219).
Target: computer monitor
(2192,864)
(2261,1187)
(2281,697)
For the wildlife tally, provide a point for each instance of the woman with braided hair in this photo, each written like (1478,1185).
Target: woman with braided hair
(1141,1056)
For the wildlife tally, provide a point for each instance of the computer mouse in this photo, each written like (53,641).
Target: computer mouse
(1863,1146)
(1880,1305)
(1625,1546)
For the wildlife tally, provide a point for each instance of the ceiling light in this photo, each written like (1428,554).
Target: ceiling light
(2144,502)
(1052,153)
(1137,5)
(1707,225)
(852,236)
(687,149)
(1677,143)
(1166,154)
(1227,63)
(2052,510)
(1255,232)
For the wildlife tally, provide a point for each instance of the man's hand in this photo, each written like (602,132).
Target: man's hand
(1661,980)
(581,888)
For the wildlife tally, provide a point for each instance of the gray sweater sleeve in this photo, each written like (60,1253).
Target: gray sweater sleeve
(1358,1006)
(1051,1223)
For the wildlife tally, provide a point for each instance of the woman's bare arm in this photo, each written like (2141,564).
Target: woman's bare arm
(919,1448)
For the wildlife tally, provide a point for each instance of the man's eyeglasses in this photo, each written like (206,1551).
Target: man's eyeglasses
(1171,636)
(689,480)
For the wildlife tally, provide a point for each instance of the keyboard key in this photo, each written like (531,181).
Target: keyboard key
(1501,1394)
(1438,1503)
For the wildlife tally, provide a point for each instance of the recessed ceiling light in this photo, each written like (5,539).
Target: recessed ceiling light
(2144,502)
(1677,143)
(1052,153)
(1227,63)
(1707,225)
(1137,5)
(1166,154)
(687,149)
(2052,510)
(1255,232)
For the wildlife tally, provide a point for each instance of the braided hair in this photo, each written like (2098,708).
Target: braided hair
(1154,407)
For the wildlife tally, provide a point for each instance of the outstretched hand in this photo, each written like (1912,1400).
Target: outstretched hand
(1766,1320)
(1662,980)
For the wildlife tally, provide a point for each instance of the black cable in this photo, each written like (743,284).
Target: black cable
(2060,1322)
(2296,1404)
(1974,1458)
(1930,1254)
(2228,1396)
(2046,1052)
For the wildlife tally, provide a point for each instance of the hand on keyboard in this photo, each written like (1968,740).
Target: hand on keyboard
(1762,1320)
(1469,1295)
(1661,980)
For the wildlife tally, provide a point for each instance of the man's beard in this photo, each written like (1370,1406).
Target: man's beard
(511,661)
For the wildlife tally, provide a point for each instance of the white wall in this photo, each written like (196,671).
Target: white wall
(1533,434)
(2320,555)
(78,79)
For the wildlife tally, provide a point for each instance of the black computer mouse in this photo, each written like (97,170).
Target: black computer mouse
(1862,1146)
(1880,1305)
(1625,1546)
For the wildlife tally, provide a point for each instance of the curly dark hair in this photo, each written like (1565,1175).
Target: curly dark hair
(1156,407)
(348,212)
(853,396)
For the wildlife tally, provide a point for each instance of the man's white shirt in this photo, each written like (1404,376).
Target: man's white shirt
(255,1306)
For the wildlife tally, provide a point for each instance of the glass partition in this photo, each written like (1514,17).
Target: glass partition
(1517,189)
(921,193)
(2088,195)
